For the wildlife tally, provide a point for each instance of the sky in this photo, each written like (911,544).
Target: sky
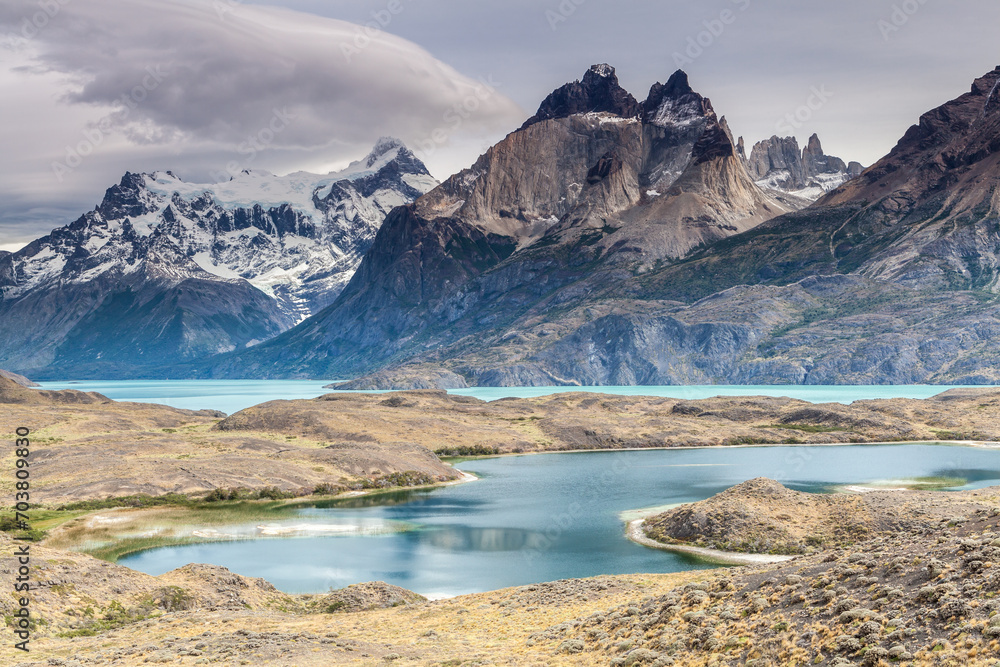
(90,89)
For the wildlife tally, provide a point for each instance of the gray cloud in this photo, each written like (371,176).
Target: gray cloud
(759,68)
(199,86)
(229,73)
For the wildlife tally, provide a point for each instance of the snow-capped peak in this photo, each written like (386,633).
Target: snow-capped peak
(603,70)
(297,237)
(383,146)
(260,187)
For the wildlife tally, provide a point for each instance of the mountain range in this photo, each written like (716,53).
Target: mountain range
(615,241)
(164,271)
(778,164)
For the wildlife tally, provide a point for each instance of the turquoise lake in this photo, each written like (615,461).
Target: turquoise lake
(232,396)
(545,517)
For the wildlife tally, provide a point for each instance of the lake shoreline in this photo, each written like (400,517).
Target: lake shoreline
(975,444)
(199,533)
(634,532)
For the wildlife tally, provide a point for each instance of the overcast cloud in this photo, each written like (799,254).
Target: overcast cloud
(213,73)
(207,89)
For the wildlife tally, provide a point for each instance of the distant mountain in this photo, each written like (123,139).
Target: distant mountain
(594,189)
(164,271)
(778,164)
(892,278)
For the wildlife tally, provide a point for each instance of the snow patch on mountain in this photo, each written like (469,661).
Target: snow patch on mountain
(297,238)
(679,112)
(778,164)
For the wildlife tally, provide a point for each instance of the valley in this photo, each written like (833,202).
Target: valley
(867,587)
(404,338)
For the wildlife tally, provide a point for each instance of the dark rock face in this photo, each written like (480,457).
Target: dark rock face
(601,249)
(597,92)
(593,184)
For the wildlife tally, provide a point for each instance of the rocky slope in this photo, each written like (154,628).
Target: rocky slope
(762,516)
(89,447)
(593,188)
(778,164)
(916,597)
(19,379)
(163,270)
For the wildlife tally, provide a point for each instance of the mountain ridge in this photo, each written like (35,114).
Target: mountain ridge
(555,203)
(856,289)
(778,163)
(182,270)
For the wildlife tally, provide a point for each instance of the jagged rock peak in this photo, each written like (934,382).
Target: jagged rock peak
(987,84)
(778,163)
(814,147)
(676,86)
(675,102)
(993,96)
(126,199)
(598,91)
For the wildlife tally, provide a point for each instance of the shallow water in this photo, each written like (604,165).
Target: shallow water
(547,517)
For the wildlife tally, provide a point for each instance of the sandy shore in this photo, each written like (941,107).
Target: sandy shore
(976,444)
(466,477)
(194,533)
(634,533)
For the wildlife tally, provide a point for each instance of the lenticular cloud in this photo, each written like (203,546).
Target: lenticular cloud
(176,71)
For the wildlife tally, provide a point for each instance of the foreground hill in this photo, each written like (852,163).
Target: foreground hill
(914,598)
(89,447)
(762,516)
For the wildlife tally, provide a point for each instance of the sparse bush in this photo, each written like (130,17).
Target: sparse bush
(243,493)
(139,500)
(471,450)
(396,479)
(334,607)
(8,524)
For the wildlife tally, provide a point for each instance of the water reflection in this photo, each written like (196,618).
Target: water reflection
(548,517)
(424,499)
(974,477)
(464,538)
